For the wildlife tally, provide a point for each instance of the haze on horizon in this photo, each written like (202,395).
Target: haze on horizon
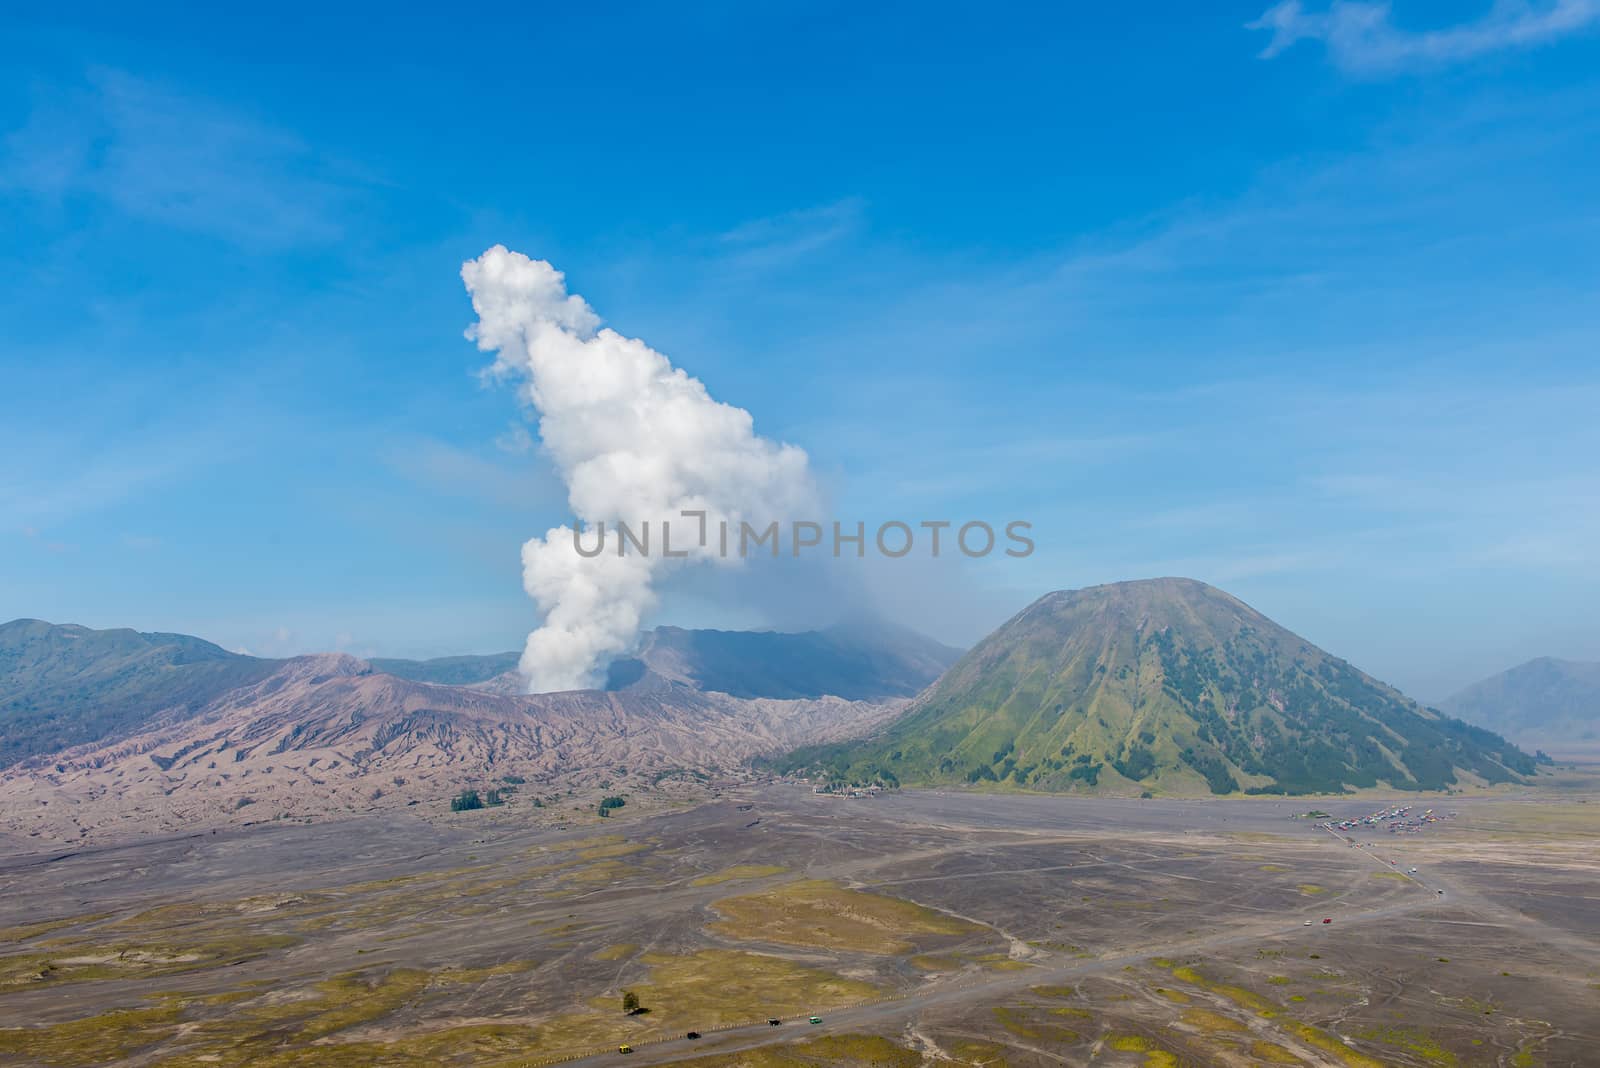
(1305,310)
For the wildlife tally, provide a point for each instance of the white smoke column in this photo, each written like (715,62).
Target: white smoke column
(635,440)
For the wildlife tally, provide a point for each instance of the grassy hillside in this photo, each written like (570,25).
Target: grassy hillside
(64,685)
(1166,685)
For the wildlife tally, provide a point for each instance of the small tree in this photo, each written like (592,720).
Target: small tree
(630,1002)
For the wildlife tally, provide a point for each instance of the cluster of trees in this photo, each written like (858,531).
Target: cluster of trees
(467,800)
(1136,764)
(609,803)
(1214,769)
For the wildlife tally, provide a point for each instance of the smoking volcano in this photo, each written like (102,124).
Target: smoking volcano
(637,441)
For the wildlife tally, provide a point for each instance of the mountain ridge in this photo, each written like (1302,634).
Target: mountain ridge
(1164,685)
(115,731)
(63,685)
(66,685)
(1545,701)
(325,735)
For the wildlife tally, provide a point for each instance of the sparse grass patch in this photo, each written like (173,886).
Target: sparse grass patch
(1418,1042)
(850,1051)
(847,1051)
(1238,995)
(1272,1053)
(975,1051)
(819,913)
(25,931)
(1000,962)
(1068,1010)
(739,872)
(75,961)
(245,1035)
(1014,1021)
(930,962)
(1210,1022)
(111,1036)
(1017,1022)
(722,986)
(612,849)
(1330,1043)
(353,1000)
(491,971)
(1055,991)
(616,952)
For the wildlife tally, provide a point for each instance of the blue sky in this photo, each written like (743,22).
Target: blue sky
(1306,309)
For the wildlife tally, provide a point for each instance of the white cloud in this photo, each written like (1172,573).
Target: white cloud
(1363,38)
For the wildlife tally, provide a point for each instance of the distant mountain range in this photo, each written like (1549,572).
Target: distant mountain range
(103,729)
(1164,686)
(859,662)
(449,670)
(1167,686)
(1545,702)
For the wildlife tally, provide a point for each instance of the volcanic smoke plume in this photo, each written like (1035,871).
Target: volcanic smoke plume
(635,439)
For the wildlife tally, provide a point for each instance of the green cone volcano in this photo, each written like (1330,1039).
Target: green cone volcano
(1171,686)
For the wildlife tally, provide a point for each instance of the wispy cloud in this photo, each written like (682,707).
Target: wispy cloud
(516,440)
(166,158)
(1363,38)
(779,240)
(49,544)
